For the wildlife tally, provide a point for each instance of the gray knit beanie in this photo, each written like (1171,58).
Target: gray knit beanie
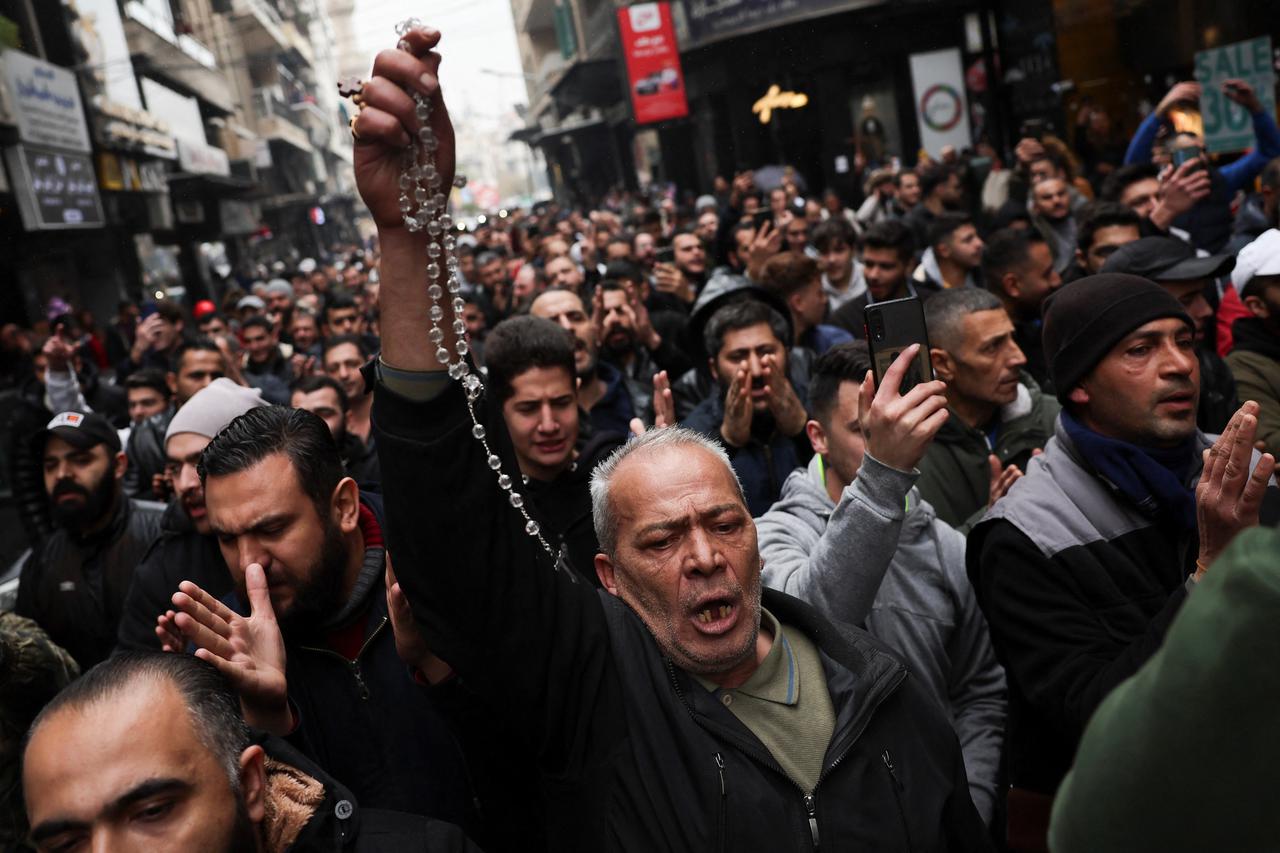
(210,409)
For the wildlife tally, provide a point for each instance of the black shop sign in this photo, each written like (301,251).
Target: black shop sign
(55,189)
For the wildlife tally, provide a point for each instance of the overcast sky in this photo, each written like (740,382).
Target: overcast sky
(478,35)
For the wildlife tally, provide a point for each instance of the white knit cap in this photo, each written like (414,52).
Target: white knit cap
(1261,257)
(211,408)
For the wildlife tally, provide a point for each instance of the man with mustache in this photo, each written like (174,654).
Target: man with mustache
(305,638)
(681,707)
(602,389)
(186,548)
(74,586)
(998,415)
(630,342)
(756,412)
(1176,267)
(1083,565)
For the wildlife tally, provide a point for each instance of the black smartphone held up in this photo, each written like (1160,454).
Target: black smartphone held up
(890,328)
(665,254)
(1183,155)
(1033,128)
(760,217)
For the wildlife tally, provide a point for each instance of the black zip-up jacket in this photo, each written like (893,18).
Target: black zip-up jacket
(633,753)
(27,419)
(179,554)
(1078,587)
(75,588)
(366,720)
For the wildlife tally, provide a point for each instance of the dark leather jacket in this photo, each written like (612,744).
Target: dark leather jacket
(75,588)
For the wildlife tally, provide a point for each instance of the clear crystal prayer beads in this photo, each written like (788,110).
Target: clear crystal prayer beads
(424,206)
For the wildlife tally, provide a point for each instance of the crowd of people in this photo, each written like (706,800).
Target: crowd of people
(684,572)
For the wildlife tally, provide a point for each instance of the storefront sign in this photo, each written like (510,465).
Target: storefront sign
(46,102)
(201,159)
(776,99)
(711,20)
(118,127)
(942,111)
(55,190)
(125,174)
(653,62)
(1227,125)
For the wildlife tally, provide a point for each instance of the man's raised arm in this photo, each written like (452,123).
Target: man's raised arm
(382,130)
(484,594)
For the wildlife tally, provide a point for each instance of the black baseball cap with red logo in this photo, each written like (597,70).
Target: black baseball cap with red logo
(83,430)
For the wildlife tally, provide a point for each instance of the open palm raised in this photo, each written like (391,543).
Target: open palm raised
(249,651)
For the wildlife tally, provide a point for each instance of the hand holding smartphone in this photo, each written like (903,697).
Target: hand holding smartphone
(890,328)
(903,411)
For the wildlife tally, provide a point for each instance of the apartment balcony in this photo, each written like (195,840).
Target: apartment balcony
(276,119)
(177,59)
(533,14)
(309,115)
(260,27)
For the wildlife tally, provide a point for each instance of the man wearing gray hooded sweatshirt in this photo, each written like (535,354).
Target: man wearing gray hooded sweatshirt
(922,606)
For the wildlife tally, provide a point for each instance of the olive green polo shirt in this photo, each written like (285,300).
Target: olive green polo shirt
(785,703)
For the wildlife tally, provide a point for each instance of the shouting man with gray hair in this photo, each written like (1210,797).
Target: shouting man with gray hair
(681,707)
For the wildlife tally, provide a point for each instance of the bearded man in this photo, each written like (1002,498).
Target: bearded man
(74,587)
(305,638)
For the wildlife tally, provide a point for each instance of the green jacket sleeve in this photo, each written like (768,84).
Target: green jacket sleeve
(1182,756)
(1258,379)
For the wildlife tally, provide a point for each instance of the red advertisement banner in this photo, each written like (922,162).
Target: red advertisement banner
(653,62)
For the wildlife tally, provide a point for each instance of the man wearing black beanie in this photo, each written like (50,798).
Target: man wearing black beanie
(1081,567)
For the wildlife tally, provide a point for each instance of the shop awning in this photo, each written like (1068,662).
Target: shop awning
(290,200)
(526,134)
(213,184)
(569,128)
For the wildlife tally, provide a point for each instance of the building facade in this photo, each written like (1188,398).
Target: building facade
(213,136)
(578,117)
(852,64)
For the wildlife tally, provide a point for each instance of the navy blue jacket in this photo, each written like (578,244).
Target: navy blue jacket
(614,411)
(762,466)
